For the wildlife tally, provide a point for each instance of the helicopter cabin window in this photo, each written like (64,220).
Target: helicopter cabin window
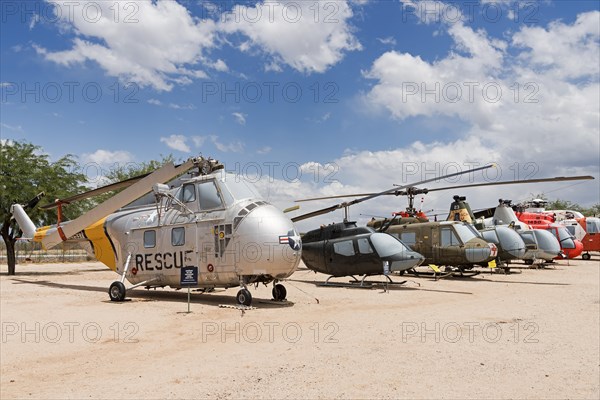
(188,194)
(178,236)
(409,238)
(448,238)
(364,247)
(592,226)
(149,239)
(209,196)
(345,248)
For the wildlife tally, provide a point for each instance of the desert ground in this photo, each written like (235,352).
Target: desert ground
(530,334)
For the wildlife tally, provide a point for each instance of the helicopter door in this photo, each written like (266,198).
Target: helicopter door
(450,247)
(182,245)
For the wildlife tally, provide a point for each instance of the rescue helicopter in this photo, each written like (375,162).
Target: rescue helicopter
(348,252)
(149,232)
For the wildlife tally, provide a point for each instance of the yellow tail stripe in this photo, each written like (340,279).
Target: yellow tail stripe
(103,246)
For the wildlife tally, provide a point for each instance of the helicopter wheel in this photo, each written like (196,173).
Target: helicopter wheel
(586,256)
(117,291)
(279,292)
(529,262)
(244,297)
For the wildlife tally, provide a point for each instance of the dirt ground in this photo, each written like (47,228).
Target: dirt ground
(531,334)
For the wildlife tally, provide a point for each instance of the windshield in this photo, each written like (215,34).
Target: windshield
(239,188)
(387,245)
(464,233)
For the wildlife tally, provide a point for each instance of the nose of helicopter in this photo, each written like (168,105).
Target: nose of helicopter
(267,244)
(405,259)
(510,242)
(477,251)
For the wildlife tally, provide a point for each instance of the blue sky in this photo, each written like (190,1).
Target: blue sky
(374,88)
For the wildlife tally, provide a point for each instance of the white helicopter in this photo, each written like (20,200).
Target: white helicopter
(208,219)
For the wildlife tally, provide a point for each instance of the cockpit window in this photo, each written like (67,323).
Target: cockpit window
(239,188)
(188,194)
(209,196)
(565,238)
(464,232)
(386,245)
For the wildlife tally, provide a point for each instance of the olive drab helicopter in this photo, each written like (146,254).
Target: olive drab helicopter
(343,249)
(208,219)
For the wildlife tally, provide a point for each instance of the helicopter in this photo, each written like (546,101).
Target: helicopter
(350,250)
(211,221)
(344,249)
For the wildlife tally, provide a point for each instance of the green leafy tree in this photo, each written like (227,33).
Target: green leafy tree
(25,171)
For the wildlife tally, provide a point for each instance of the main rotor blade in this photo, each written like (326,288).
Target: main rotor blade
(138,189)
(372,196)
(95,192)
(556,179)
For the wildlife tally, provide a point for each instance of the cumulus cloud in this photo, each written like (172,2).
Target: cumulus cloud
(176,142)
(154,44)
(534,94)
(231,147)
(106,157)
(298,34)
(161,44)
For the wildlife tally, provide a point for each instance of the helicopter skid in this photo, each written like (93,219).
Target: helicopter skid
(455,273)
(362,283)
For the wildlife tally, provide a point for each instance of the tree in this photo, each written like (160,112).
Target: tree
(25,171)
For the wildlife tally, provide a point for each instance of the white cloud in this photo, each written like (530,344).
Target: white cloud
(240,118)
(520,97)
(155,102)
(177,142)
(159,45)
(264,150)
(562,50)
(198,140)
(106,157)
(295,33)
(387,41)
(14,128)
(232,147)
(220,66)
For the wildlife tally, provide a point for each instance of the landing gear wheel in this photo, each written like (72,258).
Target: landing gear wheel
(279,292)
(244,297)
(586,256)
(529,262)
(117,291)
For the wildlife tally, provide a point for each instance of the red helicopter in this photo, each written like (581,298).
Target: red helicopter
(585,229)
(534,214)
